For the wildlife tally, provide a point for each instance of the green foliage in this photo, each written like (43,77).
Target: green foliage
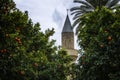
(26,53)
(99,37)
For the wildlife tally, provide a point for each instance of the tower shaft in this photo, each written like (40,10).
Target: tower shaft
(68,40)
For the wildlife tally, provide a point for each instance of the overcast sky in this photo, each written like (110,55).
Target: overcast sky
(49,13)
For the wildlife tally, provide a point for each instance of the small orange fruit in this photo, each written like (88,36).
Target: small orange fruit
(6,35)
(109,38)
(22,72)
(35,65)
(83,62)
(4,50)
(17,28)
(106,30)
(101,46)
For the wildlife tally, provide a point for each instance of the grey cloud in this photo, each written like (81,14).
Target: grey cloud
(57,17)
(67,3)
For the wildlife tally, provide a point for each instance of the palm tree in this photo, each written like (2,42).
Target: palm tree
(89,6)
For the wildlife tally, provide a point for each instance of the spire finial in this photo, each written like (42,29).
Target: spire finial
(67,11)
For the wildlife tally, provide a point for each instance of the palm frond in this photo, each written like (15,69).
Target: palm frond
(81,9)
(84,3)
(78,14)
(86,8)
(113,3)
(76,17)
(75,8)
(78,28)
(108,3)
(75,12)
(77,21)
(114,7)
(97,3)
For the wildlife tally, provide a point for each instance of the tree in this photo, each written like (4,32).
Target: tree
(26,53)
(87,6)
(100,38)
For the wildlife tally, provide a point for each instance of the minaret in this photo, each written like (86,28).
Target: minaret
(68,38)
(67,35)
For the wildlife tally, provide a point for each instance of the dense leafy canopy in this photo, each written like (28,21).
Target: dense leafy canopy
(99,37)
(26,53)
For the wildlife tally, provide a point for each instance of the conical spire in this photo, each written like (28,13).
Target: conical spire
(67,25)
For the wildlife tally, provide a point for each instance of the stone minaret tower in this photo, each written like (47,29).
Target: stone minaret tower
(67,35)
(68,38)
